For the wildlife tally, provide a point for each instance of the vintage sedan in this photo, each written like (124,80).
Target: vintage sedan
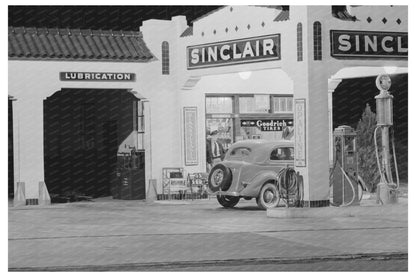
(250,170)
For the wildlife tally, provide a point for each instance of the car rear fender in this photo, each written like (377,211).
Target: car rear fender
(252,188)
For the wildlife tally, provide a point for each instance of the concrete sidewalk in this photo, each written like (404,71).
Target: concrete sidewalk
(109,233)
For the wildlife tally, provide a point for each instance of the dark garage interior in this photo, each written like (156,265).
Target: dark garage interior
(83,129)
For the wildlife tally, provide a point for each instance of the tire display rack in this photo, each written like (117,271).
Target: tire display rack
(175,186)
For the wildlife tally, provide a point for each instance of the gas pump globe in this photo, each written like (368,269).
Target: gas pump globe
(345,175)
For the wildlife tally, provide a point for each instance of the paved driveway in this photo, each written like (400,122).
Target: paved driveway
(111,232)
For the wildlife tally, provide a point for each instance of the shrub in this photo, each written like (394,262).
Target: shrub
(367,163)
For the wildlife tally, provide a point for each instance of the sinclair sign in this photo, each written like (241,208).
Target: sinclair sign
(368,44)
(247,50)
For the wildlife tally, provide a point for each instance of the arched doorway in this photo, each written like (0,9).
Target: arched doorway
(351,98)
(85,132)
(349,101)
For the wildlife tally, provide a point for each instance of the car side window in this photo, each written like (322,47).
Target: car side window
(240,152)
(282,154)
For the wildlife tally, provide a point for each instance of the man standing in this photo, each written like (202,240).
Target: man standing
(215,150)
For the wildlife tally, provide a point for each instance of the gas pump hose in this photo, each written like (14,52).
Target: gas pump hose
(395,161)
(383,178)
(349,181)
(382,175)
(288,184)
(352,187)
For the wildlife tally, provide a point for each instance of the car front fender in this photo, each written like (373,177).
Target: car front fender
(253,187)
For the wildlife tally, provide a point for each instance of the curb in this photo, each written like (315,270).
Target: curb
(119,203)
(330,212)
(166,266)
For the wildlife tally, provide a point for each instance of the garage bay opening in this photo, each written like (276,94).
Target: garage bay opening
(93,145)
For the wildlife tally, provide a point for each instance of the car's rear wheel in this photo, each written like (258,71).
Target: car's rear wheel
(268,197)
(227,201)
(219,178)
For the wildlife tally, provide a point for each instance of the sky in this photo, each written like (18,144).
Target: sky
(127,18)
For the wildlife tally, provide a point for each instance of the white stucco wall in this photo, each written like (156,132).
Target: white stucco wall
(30,82)
(308,79)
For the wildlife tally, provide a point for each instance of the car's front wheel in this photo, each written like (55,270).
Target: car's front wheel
(268,197)
(227,201)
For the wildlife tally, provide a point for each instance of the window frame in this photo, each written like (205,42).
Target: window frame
(219,112)
(279,98)
(317,41)
(299,34)
(165,58)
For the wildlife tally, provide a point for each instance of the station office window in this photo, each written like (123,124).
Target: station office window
(254,104)
(219,105)
(283,104)
(219,110)
(230,114)
(165,58)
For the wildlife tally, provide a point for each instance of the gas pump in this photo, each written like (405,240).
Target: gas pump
(387,190)
(346,188)
(129,181)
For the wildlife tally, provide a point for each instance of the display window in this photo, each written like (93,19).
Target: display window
(224,126)
(234,117)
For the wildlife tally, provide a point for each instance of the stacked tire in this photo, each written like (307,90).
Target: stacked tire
(220,178)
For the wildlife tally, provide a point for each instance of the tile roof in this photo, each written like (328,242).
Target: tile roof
(283,15)
(341,12)
(76,44)
(188,32)
(278,7)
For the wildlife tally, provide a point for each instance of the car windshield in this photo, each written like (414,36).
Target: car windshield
(240,153)
(282,154)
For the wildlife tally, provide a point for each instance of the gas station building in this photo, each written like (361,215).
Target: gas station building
(82,96)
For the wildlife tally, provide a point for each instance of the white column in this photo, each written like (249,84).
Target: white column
(28,143)
(332,85)
(147,144)
(311,134)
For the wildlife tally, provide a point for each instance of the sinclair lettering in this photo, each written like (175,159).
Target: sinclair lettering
(246,50)
(350,44)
